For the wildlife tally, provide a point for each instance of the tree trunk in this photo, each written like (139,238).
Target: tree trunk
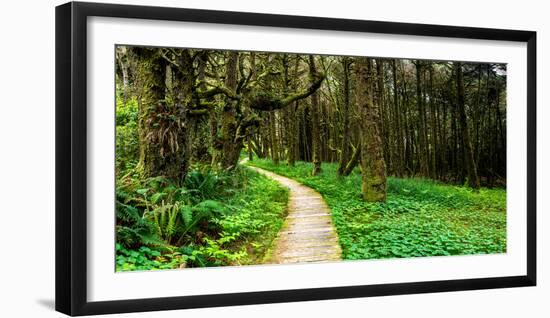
(231,148)
(292,131)
(353,161)
(273,136)
(399,130)
(315,132)
(433,150)
(122,59)
(422,142)
(382,112)
(372,157)
(346,136)
(293,134)
(163,135)
(473,180)
(250,153)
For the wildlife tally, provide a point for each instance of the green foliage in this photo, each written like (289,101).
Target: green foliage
(127,139)
(204,183)
(132,228)
(164,211)
(215,218)
(146,258)
(420,218)
(258,214)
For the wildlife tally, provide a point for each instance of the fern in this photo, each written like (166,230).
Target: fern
(209,207)
(173,213)
(186,214)
(154,211)
(127,213)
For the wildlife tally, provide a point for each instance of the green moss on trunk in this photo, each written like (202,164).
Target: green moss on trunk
(373,166)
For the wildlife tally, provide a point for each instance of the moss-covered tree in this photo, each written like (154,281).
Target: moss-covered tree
(373,166)
(162,129)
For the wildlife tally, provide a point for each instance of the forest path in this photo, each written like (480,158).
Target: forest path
(308,234)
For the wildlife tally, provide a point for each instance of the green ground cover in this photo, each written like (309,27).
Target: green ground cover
(420,218)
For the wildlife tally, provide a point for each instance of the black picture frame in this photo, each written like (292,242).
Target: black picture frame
(71,157)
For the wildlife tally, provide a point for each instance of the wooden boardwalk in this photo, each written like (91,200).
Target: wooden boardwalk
(308,234)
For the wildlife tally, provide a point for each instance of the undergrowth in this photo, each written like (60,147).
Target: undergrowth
(216,218)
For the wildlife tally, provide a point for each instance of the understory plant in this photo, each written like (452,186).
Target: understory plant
(215,218)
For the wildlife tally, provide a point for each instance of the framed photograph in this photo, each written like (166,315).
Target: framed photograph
(208,158)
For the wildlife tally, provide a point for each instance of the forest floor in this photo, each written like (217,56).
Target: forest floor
(421,217)
(308,234)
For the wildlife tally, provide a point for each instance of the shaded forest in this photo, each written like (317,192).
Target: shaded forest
(181,112)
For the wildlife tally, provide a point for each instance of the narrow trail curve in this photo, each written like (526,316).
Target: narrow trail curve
(308,234)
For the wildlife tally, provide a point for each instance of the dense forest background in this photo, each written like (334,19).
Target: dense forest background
(185,115)
(434,119)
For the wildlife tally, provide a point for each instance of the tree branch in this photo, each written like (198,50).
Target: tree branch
(169,59)
(267,103)
(215,90)
(252,120)
(198,112)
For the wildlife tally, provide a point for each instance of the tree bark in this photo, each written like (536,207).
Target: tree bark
(433,137)
(373,167)
(353,161)
(274,141)
(315,123)
(399,130)
(231,149)
(346,136)
(422,142)
(163,136)
(293,129)
(473,179)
